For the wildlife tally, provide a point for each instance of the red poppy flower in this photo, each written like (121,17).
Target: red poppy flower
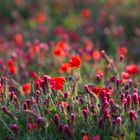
(86,13)
(96,90)
(75,62)
(122,51)
(1,89)
(85,137)
(125,75)
(132,69)
(41,18)
(64,68)
(96,55)
(57,83)
(26,88)
(18,39)
(11,67)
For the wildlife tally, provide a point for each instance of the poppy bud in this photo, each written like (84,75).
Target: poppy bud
(135,98)
(37,85)
(67,129)
(14,128)
(4,109)
(98,77)
(46,78)
(56,118)
(37,94)
(68,107)
(133,116)
(29,126)
(119,121)
(73,117)
(86,88)
(122,96)
(129,100)
(60,127)
(25,106)
(100,123)
(11,95)
(65,95)
(40,120)
(85,113)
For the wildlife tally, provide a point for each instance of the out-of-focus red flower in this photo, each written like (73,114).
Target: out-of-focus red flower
(125,75)
(96,90)
(64,68)
(100,72)
(86,56)
(35,49)
(85,13)
(132,69)
(41,18)
(96,55)
(88,44)
(85,137)
(122,51)
(1,89)
(75,62)
(61,49)
(11,67)
(57,83)
(26,88)
(18,39)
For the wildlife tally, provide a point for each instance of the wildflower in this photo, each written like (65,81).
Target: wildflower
(14,128)
(40,121)
(125,75)
(85,13)
(40,18)
(64,68)
(96,55)
(56,118)
(26,89)
(133,116)
(129,100)
(122,51)
(11,95)
(73,117)
(18,39)
(61,49)
(57,83)
(85,113)
(25,106)
(1,89)
(119,121)
(67,130)
(132,69)
(85,137)
(75,62)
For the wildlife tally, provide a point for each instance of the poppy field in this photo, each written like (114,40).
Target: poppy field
(70,70)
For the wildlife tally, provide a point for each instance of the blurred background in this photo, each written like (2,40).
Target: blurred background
(106,24)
